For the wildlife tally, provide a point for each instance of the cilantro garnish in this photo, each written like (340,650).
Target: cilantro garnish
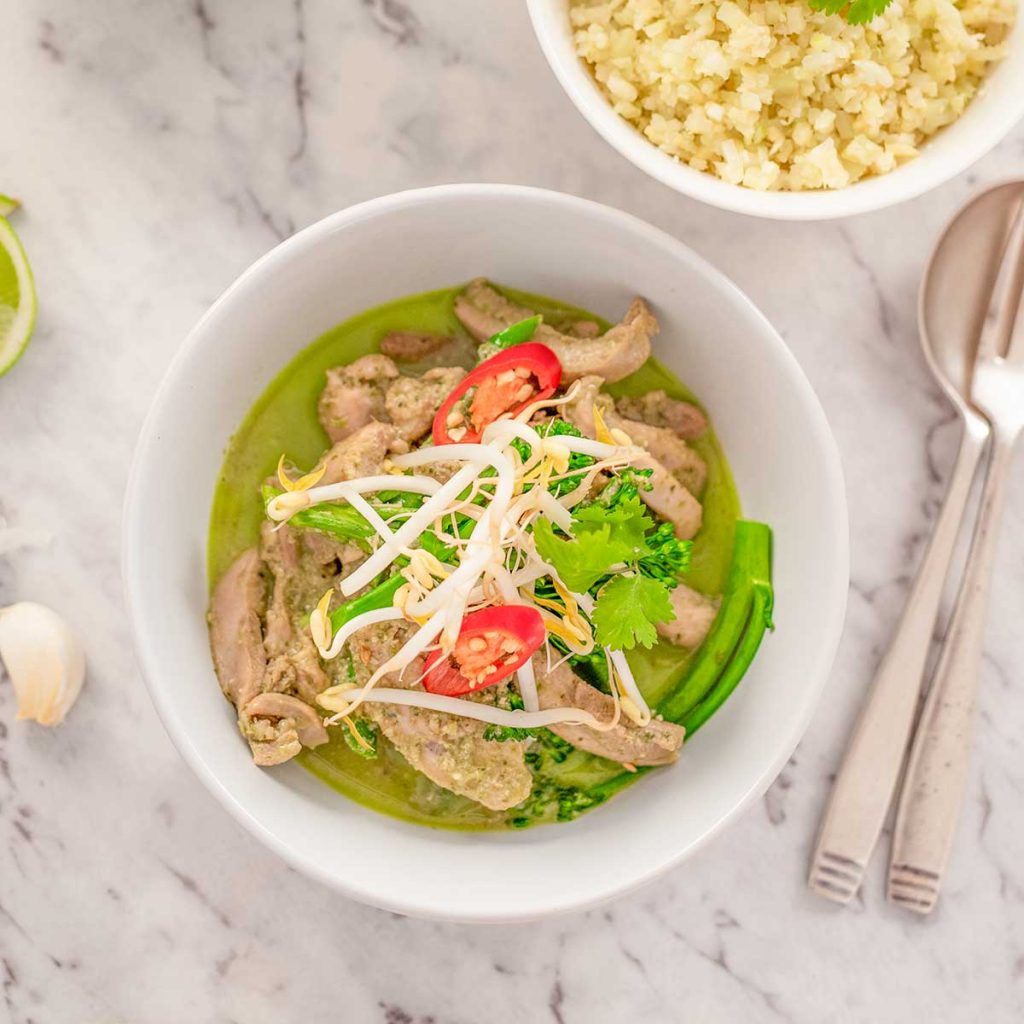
(858,12)
(628,609)
(624,560)
(580,562)
(627,522)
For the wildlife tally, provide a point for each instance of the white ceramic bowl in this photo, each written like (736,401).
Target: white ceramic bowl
(991,115)
(776,437)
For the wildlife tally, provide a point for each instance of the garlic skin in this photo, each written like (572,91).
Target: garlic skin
(44,660)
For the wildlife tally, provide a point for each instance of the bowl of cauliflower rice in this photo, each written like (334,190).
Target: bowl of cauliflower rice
(798,109)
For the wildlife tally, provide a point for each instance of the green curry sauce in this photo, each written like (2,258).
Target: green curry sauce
(284,419)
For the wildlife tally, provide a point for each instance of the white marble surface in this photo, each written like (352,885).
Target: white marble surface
(162,145)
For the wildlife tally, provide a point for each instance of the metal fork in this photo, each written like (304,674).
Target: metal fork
(936,775)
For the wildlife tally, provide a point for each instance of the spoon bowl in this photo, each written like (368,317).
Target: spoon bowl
(957,287)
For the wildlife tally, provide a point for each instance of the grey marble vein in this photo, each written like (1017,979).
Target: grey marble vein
(162,145)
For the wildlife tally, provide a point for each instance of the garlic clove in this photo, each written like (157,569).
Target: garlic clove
(44,660)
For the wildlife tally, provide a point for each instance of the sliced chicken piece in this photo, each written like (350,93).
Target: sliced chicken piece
(453,753)
(585,329)
(331,554)
(695,614)
(236,635)
(615,354)
(656,743)
(280,550)
(413,346)
(275,725)
(361,453)
(412,402)
(449,750)
(442,472)
(298,669)
(624,348)
(272,740)
(354,395)
(669,449)
(673,453)
(667,496)
(484,312)
(671,500)
(580,411)
(293,665)
(308,726)
(658,410)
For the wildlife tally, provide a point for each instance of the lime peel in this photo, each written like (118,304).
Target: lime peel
(17,297)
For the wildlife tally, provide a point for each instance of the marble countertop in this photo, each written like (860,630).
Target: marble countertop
(162,145)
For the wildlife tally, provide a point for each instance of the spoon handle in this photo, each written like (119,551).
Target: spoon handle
(937,770)
(866,781)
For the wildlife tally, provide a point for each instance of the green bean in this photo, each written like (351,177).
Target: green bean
(515,334)
(339,521)
(380,596)
(734,638)
(737,667)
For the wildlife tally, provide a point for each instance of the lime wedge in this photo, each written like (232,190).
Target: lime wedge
(7,205)
(17,295)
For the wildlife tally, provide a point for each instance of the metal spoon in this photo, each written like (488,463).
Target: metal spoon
(953,301)
(937,770)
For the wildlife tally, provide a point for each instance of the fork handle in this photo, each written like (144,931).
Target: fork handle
(933,787)
(864,786)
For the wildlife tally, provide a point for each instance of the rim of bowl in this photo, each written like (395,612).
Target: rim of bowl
(906,182)
(131,536)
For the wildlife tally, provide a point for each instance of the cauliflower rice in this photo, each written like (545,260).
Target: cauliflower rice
(771,94)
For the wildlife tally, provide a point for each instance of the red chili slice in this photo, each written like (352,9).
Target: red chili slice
(499,385)
(492,644)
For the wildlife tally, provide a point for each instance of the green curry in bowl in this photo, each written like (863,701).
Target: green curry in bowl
(510,575)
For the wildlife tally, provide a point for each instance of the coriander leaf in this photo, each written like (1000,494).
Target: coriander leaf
(627,610)
(857,12)
(582,561)
(828,6)
(628,523)
(862,11)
